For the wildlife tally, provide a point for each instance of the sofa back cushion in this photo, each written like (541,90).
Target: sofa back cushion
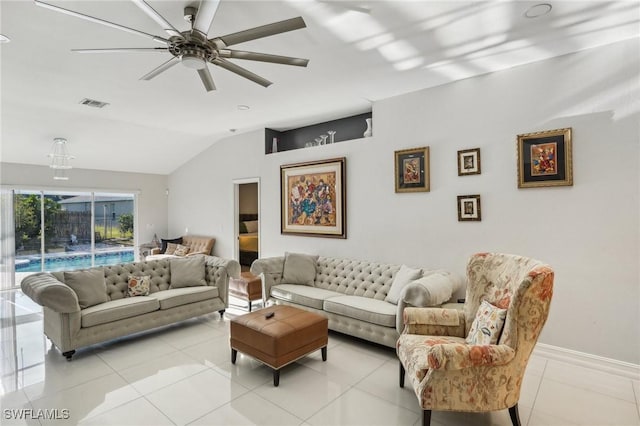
(89,286)
(198,244)
(116,276)
(355,277)
(299,268)
(188,272)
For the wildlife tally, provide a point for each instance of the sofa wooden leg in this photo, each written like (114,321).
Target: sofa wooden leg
(221,312)
(515,416)
(426,417)
(401,375)
(68,354)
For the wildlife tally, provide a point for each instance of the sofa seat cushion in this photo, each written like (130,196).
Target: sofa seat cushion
(312,297)
(363,308)
(114,310)
(182,296)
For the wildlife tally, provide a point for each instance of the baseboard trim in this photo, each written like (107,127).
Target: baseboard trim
(607,365)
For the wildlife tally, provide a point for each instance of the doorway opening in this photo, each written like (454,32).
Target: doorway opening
(247,221)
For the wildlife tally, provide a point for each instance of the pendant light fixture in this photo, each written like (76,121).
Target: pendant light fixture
(60,159)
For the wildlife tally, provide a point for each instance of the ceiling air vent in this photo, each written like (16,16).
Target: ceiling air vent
(93,103)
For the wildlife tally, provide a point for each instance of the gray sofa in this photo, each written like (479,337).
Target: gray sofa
(89,306)
(362,299)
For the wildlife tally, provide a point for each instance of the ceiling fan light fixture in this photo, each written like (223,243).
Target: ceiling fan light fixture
(537,10)
(194,62)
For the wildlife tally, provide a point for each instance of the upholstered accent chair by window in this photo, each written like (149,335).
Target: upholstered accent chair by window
(466,359)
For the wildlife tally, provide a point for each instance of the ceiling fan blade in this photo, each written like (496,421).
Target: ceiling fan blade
(171,62)
(263,57)
(124,50)
(262,31)
(99,21)
(204,17)
(242,72)
(166,25)
(207,80)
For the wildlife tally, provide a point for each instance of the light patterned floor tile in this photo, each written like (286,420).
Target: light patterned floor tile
(138,412)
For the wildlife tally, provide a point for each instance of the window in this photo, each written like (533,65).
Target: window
(55,231)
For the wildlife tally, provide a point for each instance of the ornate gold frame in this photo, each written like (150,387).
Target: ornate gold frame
(555,150)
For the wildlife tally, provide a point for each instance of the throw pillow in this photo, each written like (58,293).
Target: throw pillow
(187,272)
(299,268)
(163,246)
(487,325)
(433,290)
(404,276)
(138,286)
(171,248)
(251,225)
(89,286)
(181,250)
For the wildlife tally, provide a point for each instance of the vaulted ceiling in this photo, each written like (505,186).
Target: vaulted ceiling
(359,52)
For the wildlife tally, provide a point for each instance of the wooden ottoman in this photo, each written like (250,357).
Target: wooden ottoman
(248,287)
(278,336)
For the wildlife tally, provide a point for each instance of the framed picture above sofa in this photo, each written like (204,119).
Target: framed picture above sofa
(313,198)
(412,170)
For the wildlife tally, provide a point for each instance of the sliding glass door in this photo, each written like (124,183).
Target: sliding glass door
(55,231)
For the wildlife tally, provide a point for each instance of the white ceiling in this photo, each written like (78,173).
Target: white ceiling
(359,51)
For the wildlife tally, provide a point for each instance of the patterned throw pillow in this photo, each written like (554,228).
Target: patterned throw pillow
(138,286)
(181,250)
(487,325)
(171,248)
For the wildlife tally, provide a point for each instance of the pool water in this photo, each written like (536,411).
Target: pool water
(66,262)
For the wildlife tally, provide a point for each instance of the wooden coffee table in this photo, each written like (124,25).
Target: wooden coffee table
(278,335)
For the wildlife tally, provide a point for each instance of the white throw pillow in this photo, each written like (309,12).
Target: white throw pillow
(299,268)
(434,290)
(252,225)
(487,325)
(404,276)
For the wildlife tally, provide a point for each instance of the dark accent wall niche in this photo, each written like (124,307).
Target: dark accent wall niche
(347,128)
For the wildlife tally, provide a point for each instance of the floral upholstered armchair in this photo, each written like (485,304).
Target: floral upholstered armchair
(474,359)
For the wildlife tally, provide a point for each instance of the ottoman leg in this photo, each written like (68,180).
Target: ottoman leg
(324,353)
(276,378)
(234,355)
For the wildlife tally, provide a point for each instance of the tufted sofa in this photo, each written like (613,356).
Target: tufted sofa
(354,294)
(70,326)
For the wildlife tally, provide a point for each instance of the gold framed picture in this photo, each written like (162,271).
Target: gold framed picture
(412,170)
(313,198)
(469,162)
(545,159)
(469,208)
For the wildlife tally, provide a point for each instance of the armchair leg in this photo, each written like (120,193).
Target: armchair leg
(426,417)
(515,417)
(401,375)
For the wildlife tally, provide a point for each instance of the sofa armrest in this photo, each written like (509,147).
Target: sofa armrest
(44,289)
(195,253)
(434,322)
(219,271)
(457,356)
(155,251)
(272,268)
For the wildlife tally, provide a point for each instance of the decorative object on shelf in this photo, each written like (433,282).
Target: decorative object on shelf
(323,140)
(544,159)
(317,141)
(314,198)
(332,134)
(469,162)
(412,170)
(155,241)
(369,132)
(60,159)
(274,145)
(469,208)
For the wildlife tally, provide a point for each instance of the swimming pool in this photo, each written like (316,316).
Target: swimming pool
(69,261)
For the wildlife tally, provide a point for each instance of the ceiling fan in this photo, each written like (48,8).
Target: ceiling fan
(193,48)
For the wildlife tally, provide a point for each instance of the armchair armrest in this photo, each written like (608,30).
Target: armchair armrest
(272,268)
(434,322)
(44,289)
(457,356)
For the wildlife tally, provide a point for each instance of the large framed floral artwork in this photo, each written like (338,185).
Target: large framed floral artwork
(544,159)
(314,198)
(412,170)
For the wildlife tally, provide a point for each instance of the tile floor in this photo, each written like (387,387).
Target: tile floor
(182,375)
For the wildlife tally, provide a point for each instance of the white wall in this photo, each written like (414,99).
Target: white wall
(152,199)
(589,232)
